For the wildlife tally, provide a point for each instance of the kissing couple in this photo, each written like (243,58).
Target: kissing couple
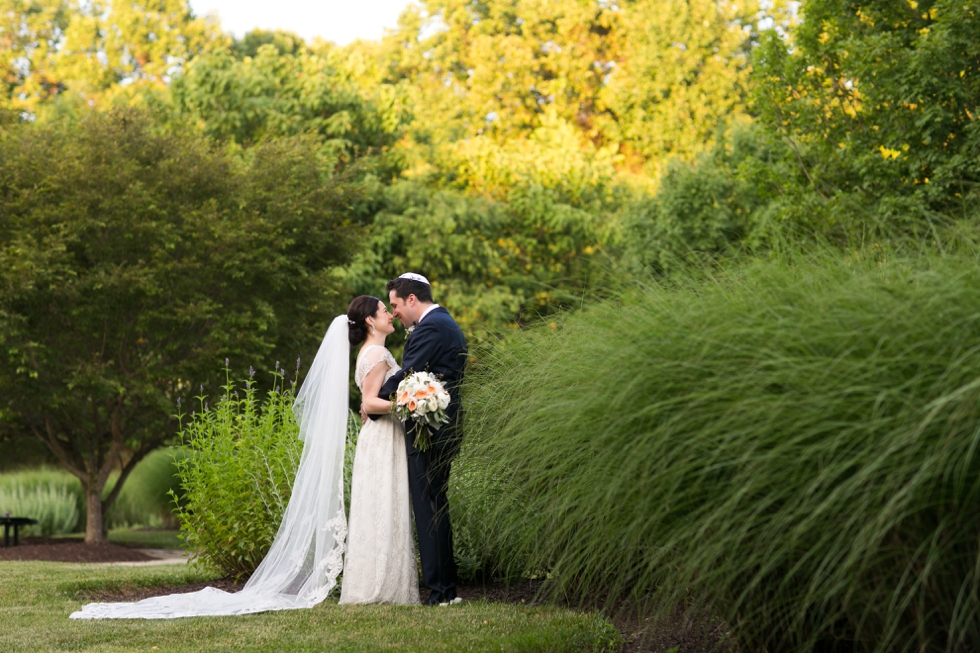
(313,545)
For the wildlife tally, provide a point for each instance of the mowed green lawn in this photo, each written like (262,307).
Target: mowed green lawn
(37,597)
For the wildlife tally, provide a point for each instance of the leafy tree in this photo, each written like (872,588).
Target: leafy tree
(131,262)
(497,66)
(30,32)
(146,41)
(652,77)
(94,50)
(286,43)
(493,264)
(275,93)
(683,71)
(730,197)
(879,99)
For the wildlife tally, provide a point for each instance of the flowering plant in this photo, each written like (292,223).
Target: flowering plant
(422,397)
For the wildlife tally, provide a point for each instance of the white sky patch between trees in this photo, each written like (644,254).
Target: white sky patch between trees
(340,21)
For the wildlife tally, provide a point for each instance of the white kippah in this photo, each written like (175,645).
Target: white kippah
(415,277)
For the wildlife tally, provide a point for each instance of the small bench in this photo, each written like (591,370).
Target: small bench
(16,522)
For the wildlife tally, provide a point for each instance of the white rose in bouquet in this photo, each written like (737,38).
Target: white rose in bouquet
(421,397)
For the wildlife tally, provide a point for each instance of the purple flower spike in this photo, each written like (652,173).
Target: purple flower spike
(248,384)
(226,362)
(251,372)
(178,402)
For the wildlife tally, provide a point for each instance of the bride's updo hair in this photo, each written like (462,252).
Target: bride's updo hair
(358,311)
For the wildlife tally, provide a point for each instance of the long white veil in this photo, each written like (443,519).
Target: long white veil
(306,556)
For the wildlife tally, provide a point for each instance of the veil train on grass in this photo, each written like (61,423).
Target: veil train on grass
(306,557)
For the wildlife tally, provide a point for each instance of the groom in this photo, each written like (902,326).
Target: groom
(435,344)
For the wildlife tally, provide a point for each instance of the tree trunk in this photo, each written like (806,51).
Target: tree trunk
(94,522)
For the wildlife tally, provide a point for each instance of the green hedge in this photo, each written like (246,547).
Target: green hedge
(790,445)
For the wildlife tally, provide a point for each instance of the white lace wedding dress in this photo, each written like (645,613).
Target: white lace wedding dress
(379,566)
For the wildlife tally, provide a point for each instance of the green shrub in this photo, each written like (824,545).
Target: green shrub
(243,453)
(243,456)
(792,446)
(353,429)
(53,505)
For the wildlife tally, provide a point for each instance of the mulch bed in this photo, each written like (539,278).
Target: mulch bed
(55,549)
(639,635)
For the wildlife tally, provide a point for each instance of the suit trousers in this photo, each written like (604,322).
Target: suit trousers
(428,481)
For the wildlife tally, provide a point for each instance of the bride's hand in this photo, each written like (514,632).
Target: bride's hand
(364,415)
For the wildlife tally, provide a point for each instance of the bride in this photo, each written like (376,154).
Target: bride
(307,554)
(380,562)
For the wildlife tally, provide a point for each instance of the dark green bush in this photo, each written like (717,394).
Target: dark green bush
(791,445)
(735,196)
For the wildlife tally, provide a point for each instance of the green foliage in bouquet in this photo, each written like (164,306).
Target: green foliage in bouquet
(244,451)
(791,445)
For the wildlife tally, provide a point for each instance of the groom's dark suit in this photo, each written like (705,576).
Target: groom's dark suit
(436,345)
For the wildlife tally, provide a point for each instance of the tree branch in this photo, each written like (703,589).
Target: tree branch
(115,449)
(137,456)
(50,439)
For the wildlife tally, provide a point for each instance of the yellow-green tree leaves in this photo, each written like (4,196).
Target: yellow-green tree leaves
(275,93)
(683,70)
(94,50)
(30,31)
(653,78)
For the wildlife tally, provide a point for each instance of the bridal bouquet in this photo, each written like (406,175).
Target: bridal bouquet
(422,397)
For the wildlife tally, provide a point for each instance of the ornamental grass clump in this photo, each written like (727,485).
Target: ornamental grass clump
(53,505)
(791,445)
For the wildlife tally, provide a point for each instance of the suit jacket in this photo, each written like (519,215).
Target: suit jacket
(437,345)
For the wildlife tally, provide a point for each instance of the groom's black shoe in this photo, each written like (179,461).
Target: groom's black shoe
(435,598)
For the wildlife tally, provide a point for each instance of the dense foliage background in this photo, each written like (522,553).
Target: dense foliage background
(767,210)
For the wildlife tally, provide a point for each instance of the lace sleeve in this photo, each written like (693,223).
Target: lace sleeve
(368,360)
